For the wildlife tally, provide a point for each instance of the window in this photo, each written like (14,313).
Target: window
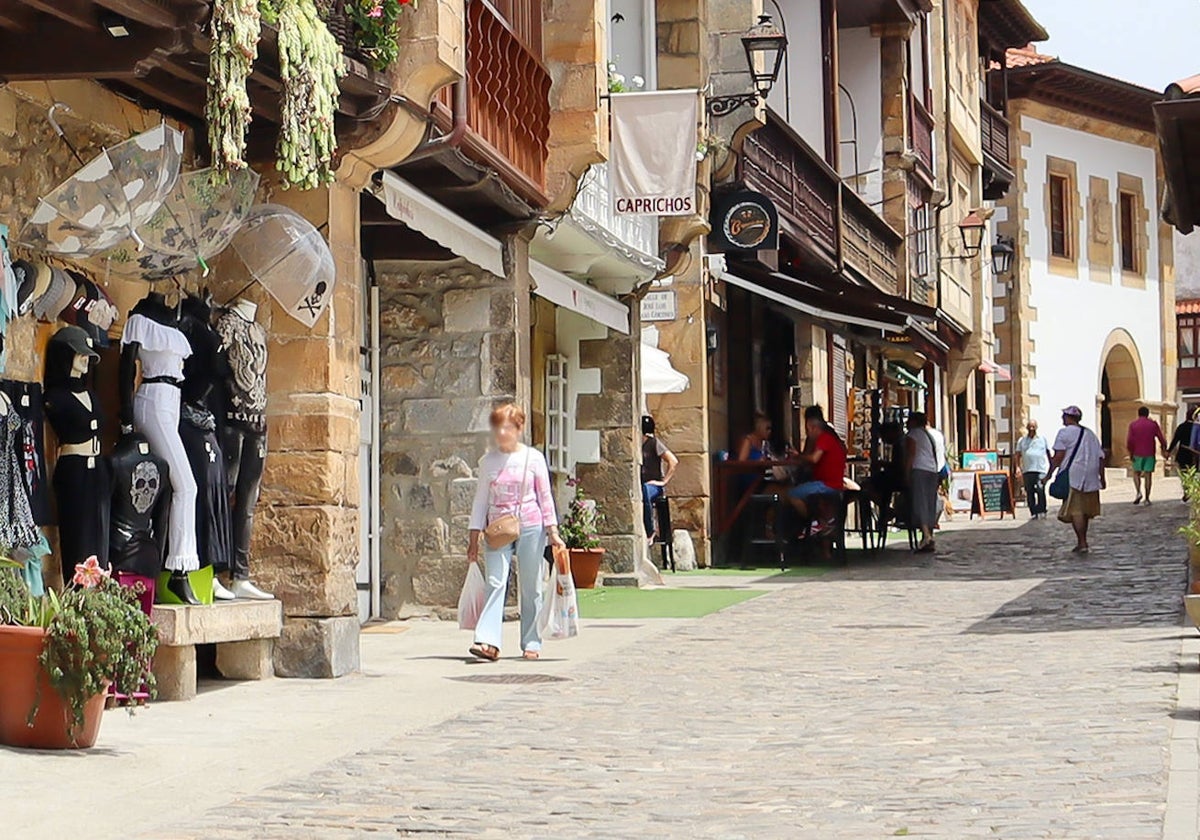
(1060,187)
(558,423)
(1187,327)
(1128,208)
(920,241)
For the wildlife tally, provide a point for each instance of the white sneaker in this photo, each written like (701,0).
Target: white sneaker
(248,591)
(220,593)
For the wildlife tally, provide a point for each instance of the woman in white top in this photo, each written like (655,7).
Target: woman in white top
(513,481)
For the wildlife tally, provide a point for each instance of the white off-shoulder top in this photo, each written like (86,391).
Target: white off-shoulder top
(163,348)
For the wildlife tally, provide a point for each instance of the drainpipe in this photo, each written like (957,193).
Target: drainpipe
(949,198)
(454,137)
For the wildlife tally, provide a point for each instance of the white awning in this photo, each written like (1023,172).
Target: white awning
(659,376)
(568,293)
(445,227)
(806,308)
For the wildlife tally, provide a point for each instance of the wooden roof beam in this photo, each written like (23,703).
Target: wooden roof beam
(77,54)
(80,13)
(18,18)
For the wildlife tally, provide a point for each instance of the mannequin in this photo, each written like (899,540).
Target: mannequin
(80,478)
(197,430)
(244,430)
(152,340)
(141,500)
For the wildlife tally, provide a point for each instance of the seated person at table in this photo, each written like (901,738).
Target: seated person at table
(827,455)
(756,446)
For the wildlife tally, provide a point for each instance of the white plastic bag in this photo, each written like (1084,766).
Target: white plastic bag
(559,616)
(470,602)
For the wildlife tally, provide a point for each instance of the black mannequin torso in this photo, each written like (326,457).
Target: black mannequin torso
(141,493)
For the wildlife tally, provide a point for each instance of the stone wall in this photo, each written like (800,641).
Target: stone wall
(448,354)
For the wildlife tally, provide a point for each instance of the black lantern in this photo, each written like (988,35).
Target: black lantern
(1002,256)
(765,46)
(972,229)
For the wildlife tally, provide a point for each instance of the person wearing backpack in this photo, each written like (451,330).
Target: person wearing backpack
(1078,464)
(925,451)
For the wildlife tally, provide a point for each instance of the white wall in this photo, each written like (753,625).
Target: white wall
(805,79)
(859,65)
(572,328)
(1187,265)
(1075,316)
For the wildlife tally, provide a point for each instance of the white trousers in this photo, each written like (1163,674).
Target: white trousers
(156,415)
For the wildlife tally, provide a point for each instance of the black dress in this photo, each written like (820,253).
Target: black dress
(81,482)
(198,431)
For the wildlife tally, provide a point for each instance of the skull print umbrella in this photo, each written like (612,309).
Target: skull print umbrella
(290,258)
(197,221)
(107,200)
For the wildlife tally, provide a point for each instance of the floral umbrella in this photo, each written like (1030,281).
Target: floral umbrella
(290,258)
(196,222)
(109,198)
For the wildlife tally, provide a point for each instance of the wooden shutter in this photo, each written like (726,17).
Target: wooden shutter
(838,410)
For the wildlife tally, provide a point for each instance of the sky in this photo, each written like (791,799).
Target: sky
(1148,42)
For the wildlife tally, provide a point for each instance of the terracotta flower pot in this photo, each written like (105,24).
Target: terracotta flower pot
(585,566)
(21,681)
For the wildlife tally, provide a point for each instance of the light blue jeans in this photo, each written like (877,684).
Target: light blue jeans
(529,548)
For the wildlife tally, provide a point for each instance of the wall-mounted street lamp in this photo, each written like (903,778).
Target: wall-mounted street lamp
(971,229)
(765,45)
(1002,256)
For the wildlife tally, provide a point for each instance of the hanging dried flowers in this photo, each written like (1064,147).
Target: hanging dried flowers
(236,25)
(310,64)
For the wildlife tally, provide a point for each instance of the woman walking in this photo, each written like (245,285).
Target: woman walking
(513,514)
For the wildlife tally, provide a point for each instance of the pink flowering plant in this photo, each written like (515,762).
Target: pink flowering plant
(96,634)
(580,528)
(375,24)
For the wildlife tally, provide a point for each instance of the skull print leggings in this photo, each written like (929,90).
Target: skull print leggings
(245,453)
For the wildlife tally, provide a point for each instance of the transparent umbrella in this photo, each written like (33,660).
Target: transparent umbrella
(107,200)
(290,258)
(197,221)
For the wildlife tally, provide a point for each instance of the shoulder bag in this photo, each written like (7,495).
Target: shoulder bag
(1060,488)
(505,529)
(944,471)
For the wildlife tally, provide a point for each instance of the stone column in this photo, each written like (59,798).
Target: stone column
(305,545)
(615,482)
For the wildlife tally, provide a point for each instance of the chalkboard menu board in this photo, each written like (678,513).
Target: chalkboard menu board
(993,494)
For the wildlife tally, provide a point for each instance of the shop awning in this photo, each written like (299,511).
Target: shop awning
(787,292)
(445,227)
(426,215)
(999,371)
(905,378)
(569,293)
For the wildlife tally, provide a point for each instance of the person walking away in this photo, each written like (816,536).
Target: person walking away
(1181,444)
(1078,450)
(1035,463)
(513,482)
(654,478)
(826,453)
(1143,432)
(925,458)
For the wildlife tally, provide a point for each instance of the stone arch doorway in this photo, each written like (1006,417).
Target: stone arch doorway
(1120,392)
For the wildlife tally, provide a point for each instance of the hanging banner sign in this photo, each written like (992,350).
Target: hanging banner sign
(653,158)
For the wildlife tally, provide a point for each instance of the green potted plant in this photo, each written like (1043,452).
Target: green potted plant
(59,653)
(580,531)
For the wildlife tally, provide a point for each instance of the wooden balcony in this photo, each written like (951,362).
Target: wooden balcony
(994,132)
(508,95)
(870,245)
(920,131)
(777,162)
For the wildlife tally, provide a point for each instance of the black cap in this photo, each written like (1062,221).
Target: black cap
(78,340)
(26,276)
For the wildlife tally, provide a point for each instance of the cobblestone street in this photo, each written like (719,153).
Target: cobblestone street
(1004,688)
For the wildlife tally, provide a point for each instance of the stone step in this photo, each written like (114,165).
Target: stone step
(620,580)
(230,621)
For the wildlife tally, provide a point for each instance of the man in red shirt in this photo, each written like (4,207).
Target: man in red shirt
(1143,432)
(827,455)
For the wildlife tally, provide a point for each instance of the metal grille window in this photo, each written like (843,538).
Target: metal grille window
(558,421)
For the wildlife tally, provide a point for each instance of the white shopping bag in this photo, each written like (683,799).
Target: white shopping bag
(559,616)
(470,602)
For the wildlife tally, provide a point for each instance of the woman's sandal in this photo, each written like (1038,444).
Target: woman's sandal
(491,654)
(531,655)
